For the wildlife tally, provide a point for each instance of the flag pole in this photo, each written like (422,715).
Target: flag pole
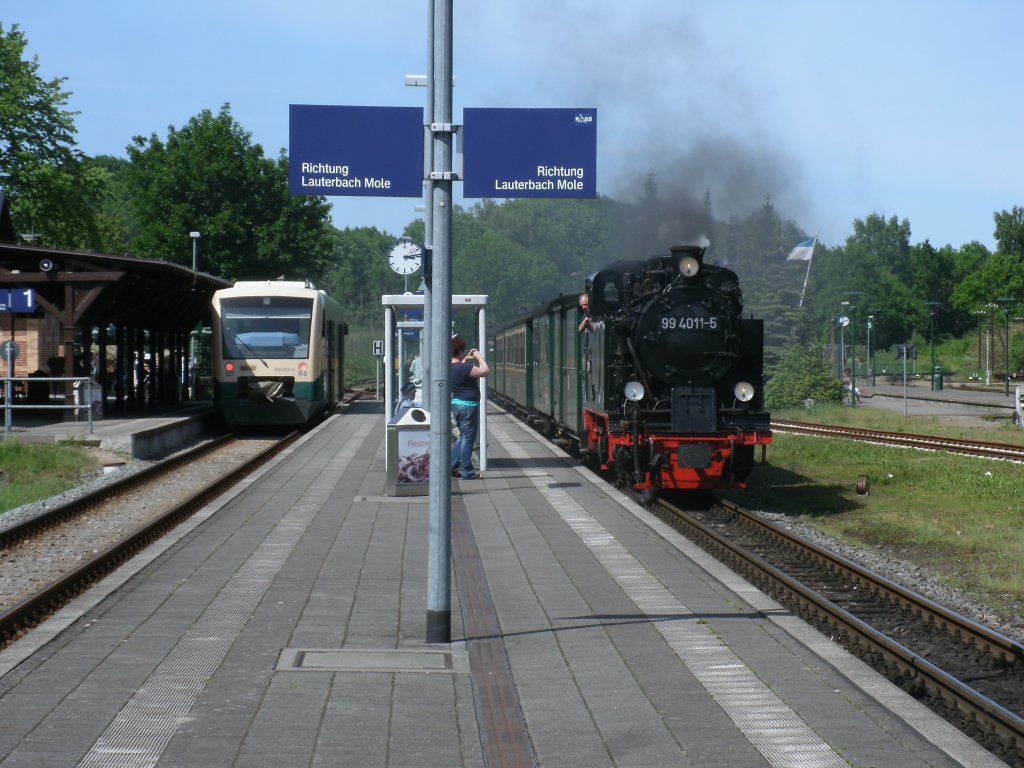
(808,274)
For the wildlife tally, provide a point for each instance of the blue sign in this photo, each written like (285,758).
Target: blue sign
(17,300)
(367,151)
(529,153)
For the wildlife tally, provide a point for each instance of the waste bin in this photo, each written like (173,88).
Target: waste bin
(936,381)
(407,463)
(88,394)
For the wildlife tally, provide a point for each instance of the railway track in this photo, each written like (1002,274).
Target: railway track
(1004,451)
(967,673)
(53,557)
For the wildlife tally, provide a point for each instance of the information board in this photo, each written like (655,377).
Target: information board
(17,300)
(358,151)
(529,152)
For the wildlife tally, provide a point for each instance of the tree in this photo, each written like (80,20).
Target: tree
(209,177)
(1000,275)
(52,191)
(359,274)
(803,373)
(1009,231)
(888,240)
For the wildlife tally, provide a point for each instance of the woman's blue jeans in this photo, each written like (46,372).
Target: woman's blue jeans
(467,420)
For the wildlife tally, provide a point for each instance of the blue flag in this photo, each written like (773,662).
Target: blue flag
(803,250)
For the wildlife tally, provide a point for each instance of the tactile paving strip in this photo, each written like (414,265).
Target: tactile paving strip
(141,731)
(774,729)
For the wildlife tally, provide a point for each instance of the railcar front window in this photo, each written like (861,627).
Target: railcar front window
(266,326)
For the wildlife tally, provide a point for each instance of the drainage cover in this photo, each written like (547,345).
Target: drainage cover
(368,660)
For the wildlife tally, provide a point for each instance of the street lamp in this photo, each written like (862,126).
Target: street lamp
(992,307)
(853,347)
(843,321)
(195,239)
(872,341)
(980,314)
(1005,301)
(931,335)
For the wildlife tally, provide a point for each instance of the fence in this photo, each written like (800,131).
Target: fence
(88,396)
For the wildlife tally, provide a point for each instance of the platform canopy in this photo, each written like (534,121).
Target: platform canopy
(86,289)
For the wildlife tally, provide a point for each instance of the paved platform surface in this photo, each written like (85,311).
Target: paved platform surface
(962,401)
(140,436)
(284,626)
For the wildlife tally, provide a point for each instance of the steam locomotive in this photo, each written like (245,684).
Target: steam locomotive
(659,383)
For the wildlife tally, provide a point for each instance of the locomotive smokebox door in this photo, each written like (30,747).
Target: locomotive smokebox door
(693,410)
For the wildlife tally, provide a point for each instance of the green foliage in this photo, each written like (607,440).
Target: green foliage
(52,190)
(359,274)
(209,177)
(36,472)
(958,515)
(999,275)
(801,373)
(1010,231)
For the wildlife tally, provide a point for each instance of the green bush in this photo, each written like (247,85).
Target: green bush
(802,373)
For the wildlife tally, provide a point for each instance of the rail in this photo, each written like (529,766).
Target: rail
(84,388)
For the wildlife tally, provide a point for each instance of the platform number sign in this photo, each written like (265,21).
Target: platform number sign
(17,300)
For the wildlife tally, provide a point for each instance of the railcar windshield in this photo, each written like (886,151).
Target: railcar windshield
(266,326)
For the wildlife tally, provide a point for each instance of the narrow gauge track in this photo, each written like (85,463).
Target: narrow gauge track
(1003,451)
(967,673)
(48,560)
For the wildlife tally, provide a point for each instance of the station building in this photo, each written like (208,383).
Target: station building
(125,322)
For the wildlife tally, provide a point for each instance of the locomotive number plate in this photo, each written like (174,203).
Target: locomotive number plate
(669,323)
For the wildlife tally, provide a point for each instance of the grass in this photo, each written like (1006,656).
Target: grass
(32,472)
(961,517)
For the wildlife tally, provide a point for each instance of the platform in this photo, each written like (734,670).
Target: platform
(138,436)
(284,625)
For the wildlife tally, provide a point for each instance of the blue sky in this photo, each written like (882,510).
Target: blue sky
(833,110)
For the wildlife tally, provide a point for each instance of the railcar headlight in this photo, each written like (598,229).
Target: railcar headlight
(688,266)
(744,391)
(634,391)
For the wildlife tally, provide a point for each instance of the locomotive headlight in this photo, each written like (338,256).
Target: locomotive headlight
(688,266)
(634,391)
(744,391)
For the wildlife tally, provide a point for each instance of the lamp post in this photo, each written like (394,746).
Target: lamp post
(871,353)
(980,313)
(931,335)
(843,321)
(853,347)
(195,239)
(1006,301)
(991,307)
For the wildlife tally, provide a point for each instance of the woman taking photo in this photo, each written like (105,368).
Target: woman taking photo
(466,369)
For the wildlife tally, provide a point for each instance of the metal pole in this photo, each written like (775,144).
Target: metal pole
(481,320)
(8,392)
(440,289)
(931,340)
(853,356)
(1006,346)
(428,220)
(389,366)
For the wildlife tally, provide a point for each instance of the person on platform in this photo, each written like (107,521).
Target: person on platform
(466,369)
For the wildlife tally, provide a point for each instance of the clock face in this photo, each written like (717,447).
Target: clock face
(404,257)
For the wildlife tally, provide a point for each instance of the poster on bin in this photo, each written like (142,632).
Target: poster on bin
(413,457)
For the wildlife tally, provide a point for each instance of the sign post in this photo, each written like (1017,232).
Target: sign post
(379,151)
(10,351)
